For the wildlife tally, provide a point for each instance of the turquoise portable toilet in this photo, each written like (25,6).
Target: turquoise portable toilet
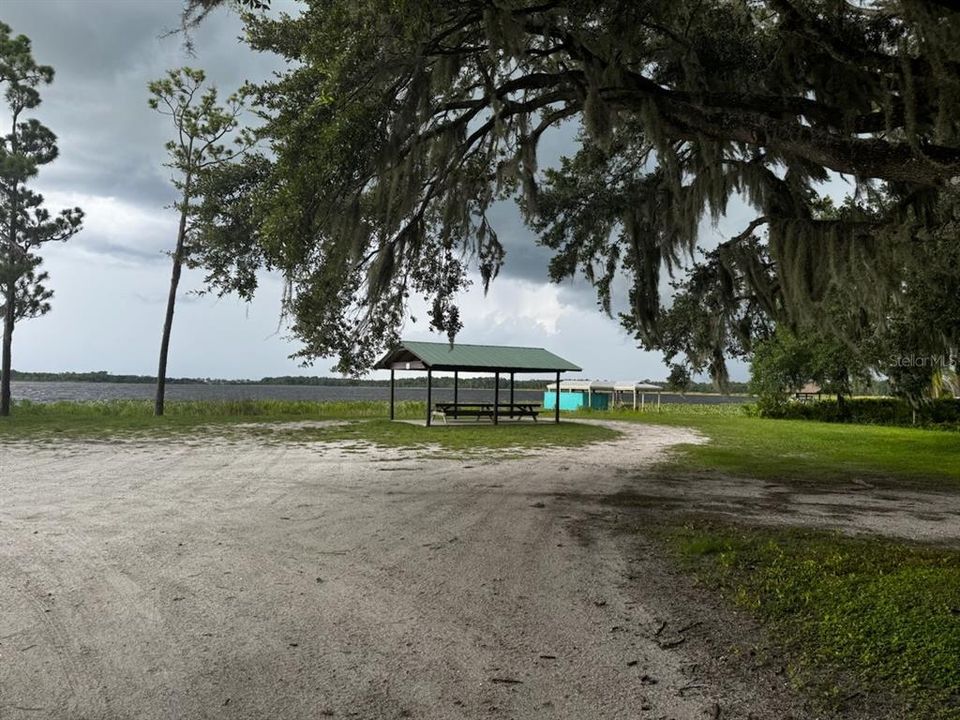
(579,394)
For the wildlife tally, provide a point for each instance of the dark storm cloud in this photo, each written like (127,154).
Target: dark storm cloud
(525,259)
(104,54)
(84,37)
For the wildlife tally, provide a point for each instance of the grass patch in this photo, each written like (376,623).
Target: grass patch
(855,615)
(96,420)
(275,420)
(458,439)
(803,450)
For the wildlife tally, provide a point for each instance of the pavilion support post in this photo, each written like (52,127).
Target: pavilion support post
(658,401)
(634,398)
(392,383)
(556,404)
(511,395)
(429,396)
(456,389)
(496,398)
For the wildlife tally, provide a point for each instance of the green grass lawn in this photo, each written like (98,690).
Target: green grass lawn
(453,438)
(782,450)
(135,417)
(806,451)
(856,615)
(276,421)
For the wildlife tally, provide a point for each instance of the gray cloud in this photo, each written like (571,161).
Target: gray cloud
(104,54)
(525,259)
(124,252)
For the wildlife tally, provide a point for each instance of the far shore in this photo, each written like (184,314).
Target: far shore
(738,389)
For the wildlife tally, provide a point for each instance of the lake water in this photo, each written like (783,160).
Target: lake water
(54,391)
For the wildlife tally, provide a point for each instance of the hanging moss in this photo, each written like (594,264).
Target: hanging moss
(399,124)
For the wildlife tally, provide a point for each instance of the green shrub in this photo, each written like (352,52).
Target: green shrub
(943,413)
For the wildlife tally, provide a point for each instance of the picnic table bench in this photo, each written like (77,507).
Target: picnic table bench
(482,409)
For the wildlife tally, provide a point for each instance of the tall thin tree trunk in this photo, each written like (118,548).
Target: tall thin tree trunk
(9,310)
(10,295)
(8,320)
(171,302)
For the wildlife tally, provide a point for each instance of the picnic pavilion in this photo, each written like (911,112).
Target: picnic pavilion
(496,359)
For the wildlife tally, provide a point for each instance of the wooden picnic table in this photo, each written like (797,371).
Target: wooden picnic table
(485,409)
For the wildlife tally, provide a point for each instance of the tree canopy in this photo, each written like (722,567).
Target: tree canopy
(400,122)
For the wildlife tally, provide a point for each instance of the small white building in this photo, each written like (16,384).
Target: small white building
(634,389)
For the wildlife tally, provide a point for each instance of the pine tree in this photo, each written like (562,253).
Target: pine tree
(25,224)
(203,128)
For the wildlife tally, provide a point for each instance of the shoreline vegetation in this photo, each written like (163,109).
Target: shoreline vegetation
(102,376)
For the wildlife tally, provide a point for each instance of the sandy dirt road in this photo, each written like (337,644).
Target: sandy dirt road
(241,579)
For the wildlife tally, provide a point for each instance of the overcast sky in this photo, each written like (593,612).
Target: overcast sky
(111,280)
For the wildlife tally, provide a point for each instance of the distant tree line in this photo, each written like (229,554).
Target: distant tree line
(102,376)
(417,381)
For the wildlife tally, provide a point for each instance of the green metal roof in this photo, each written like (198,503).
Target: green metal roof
(480,358)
